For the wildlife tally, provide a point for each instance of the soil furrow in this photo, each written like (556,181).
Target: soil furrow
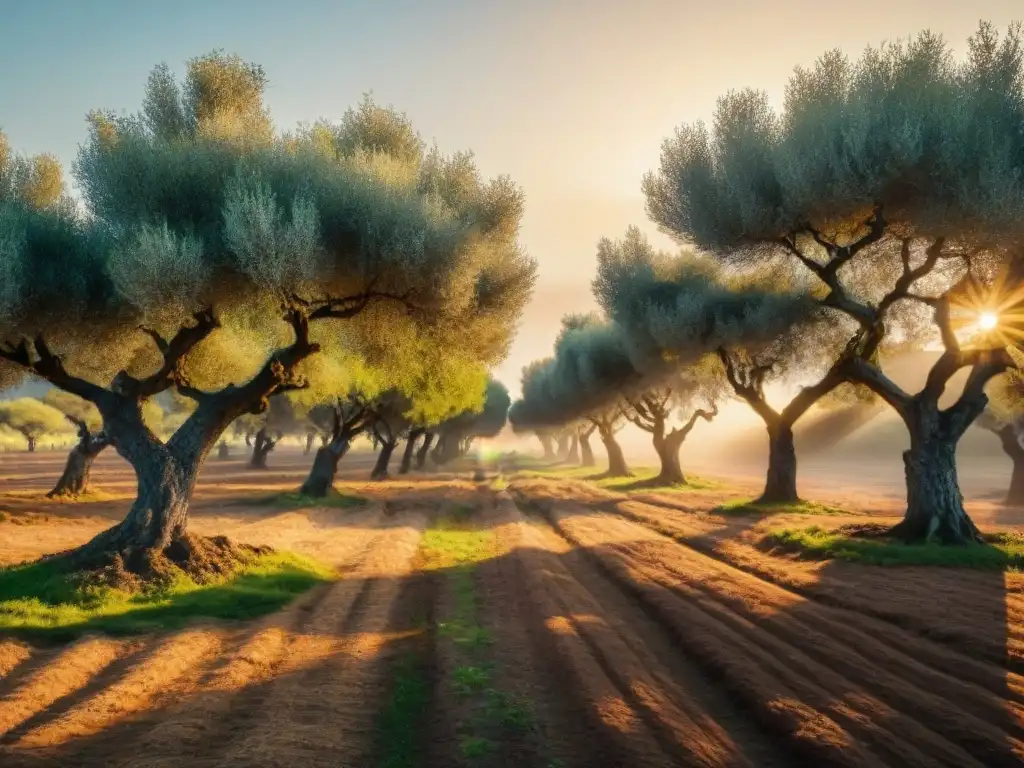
(857,711)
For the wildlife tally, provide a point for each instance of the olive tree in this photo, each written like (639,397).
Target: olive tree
(893,180)
(761,330)
(218,259)
(485,418)
(1005,417)
(31,419)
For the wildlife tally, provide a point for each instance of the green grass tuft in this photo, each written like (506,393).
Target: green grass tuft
(400,724)
(1004,551)
(752,507)
(44,600)
(295,500)
(640,480)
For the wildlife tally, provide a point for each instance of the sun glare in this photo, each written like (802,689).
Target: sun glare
(988,321)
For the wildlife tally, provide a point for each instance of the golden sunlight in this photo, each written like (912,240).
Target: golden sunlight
(987,321)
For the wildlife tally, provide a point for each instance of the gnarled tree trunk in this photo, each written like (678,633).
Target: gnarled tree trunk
(668,447)
(616,459)
(31,440)
(562,449)
(1011,446)
(780,481)
(546,445)
(75,478)
(421,454)
(325,466)
(410,448)
(380,469)
(587,453)
(573,456)
(935,505)
(262,445)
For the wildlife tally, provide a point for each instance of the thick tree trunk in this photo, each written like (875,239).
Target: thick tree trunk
(587,459)
(1011,446)
(668,454)
(545,442)
(410,449)
(573,456)
(563,447)
(935,506)
(616,459)
(1015,495)
(325,466)
(780,481)
(380,469)
(421,454)
(75,478)
(223,451)
(261,446)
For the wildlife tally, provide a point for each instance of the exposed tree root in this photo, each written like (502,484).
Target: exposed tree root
(199,558)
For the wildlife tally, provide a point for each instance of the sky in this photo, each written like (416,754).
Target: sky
(571,98)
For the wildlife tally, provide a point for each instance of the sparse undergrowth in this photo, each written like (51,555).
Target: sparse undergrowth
(296,500)
(494,715)
(1003,551)
(753,507)
(641,479)
(45,600)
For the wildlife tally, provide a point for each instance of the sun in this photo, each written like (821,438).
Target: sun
(987,321)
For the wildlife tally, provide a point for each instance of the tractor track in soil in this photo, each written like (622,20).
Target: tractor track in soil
(841,687)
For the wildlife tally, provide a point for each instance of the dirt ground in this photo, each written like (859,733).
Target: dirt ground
(638,631)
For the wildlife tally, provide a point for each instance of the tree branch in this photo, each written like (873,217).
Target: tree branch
(50,367)
(857,369)
(173,352)
(683,431)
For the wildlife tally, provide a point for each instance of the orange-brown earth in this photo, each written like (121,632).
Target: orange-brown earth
(641,630)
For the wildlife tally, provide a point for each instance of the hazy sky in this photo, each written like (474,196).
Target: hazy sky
(572,98)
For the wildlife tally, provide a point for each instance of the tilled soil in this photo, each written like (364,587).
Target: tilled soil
(632,648)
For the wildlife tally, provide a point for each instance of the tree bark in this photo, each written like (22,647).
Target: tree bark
(325,466)
(935,505)
(75,478)
(587,459)
(1011,446)
(668,447)
(310,436)
(780,481)
(262,445)
(421,454)
(380,469)
(410,448)
(31,443)
(616,459)
(573,456)
(562,451)
(545,442)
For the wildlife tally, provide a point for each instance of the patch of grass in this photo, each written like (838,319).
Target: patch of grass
(1003,552)
(43,599)
(475,747)
(752,507)
(499,483)
(470,679)
(401,721)
(641,479)
(295,500)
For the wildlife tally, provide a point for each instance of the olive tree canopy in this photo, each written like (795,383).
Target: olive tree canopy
(893,180)
(218,258)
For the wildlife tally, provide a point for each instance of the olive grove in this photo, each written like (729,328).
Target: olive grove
(893,181)
(221,259)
